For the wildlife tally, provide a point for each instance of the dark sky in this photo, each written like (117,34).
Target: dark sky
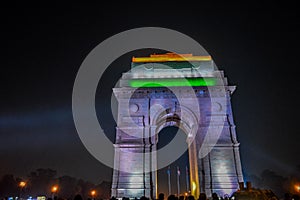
(43,46)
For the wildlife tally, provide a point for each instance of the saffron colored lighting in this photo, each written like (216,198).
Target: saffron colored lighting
(170,57)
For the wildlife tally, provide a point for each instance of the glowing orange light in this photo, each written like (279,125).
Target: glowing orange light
(186,194)
(54,189)
(297,187)
(93,192)
(169,57)
(22,184)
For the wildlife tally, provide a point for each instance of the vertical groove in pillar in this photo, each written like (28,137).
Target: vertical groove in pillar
(150,173)
(144,178)
(210,173)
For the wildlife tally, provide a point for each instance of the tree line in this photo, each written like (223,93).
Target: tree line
(40,182)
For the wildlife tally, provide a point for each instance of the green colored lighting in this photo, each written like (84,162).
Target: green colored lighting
(172,82)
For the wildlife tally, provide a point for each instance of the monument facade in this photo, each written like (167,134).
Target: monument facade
(175,90)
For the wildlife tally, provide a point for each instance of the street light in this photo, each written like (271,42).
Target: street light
(22,184)
(93,193)
(297,188)
(54,189)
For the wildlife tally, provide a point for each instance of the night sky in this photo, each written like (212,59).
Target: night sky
(43,46)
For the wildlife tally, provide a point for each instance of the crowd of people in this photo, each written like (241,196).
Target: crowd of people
(161,196)
(214,196)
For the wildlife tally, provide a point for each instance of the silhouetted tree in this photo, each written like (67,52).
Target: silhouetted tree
(84,187)
(67,186)
(9,186)
(41,181)
(273,181)
(103,190)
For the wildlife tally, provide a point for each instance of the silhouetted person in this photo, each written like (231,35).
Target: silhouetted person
(161,196)
(215,196)
(287,196)
(202,196)
(226,197)
(171,197)
(191,197)
(78,197)
(143,198)
(113,198)
(296,197)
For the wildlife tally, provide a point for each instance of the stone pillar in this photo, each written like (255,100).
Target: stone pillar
(194,178)
(135,162)
(130,179)
(153,182)
(193,161)
(207,175)
(238,163)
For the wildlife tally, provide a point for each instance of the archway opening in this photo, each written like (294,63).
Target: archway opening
(177,171)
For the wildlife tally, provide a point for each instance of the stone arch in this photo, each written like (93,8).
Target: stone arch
(188,122)
(185,119)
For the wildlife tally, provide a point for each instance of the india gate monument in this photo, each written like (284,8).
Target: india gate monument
(182,90)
